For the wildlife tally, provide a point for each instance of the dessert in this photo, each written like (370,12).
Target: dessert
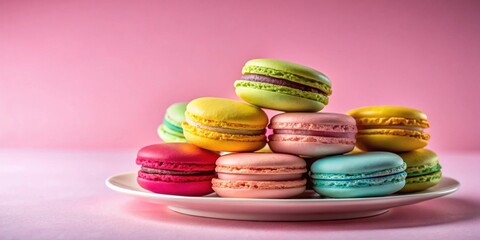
(312,134)
(225,125)
(367,174)
(390,128)
(259,175)
(176,169)
(283,86)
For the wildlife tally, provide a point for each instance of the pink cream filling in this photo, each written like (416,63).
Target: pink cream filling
(314,127)
(315,133)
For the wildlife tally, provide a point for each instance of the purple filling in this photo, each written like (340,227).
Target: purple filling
(280,82)
(315,133)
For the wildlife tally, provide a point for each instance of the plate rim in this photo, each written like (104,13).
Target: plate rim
(109,184)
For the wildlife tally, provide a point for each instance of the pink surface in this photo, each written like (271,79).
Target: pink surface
(100,74)
(35,204)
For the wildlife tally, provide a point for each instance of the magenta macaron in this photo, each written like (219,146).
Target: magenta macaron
(259,175)
(176,169)
(312,134)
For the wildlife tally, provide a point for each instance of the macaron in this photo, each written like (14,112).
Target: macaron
(176,169)
(171,129)
(312,134)
(225,125)
(423,170)
(259,175)
(390,128)
(283,86)
(366,174)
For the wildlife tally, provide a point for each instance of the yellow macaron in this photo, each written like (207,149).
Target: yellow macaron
(226,125)
(390,128)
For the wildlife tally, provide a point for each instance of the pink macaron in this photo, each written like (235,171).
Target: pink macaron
(312,134)
(259,175)
(176,169)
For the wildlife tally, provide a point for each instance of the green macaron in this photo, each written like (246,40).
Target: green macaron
(423,170)
(171,128)
(283,86)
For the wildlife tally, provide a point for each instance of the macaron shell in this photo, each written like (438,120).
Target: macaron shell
(312,134)
(224,142)
(175,113)
(387,111)
(419,157)
(278,101)
(256,193)
(177,153)
(309,148)
(168,135)
(389,143)
(177,188)
(362,164)
(420,183)
(370,191)
(263,162)
(226,113)
(258,189)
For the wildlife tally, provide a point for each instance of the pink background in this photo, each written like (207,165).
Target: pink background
(99,74)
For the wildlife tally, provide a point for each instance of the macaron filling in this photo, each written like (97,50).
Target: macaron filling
(314,127)
(310,139)
(311,132)
(174,172)
(224,130)
(358,176)
(175,178)
(324,84)
(411,128)
(414,171)
(280,82)
(166,131)
(172,126)
(173,165)
(201,121)
(432,177)
(362,182)
(315,133)
(396,132)
(397,126)
(283,90)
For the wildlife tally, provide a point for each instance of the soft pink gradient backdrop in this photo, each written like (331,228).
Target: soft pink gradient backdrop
(99,74)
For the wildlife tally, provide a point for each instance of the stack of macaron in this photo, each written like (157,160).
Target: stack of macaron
(400,130)
(302,141)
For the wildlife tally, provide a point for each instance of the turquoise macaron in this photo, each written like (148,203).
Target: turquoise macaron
(171,129)
(368,174)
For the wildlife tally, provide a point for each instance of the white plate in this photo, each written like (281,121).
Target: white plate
(306,207)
